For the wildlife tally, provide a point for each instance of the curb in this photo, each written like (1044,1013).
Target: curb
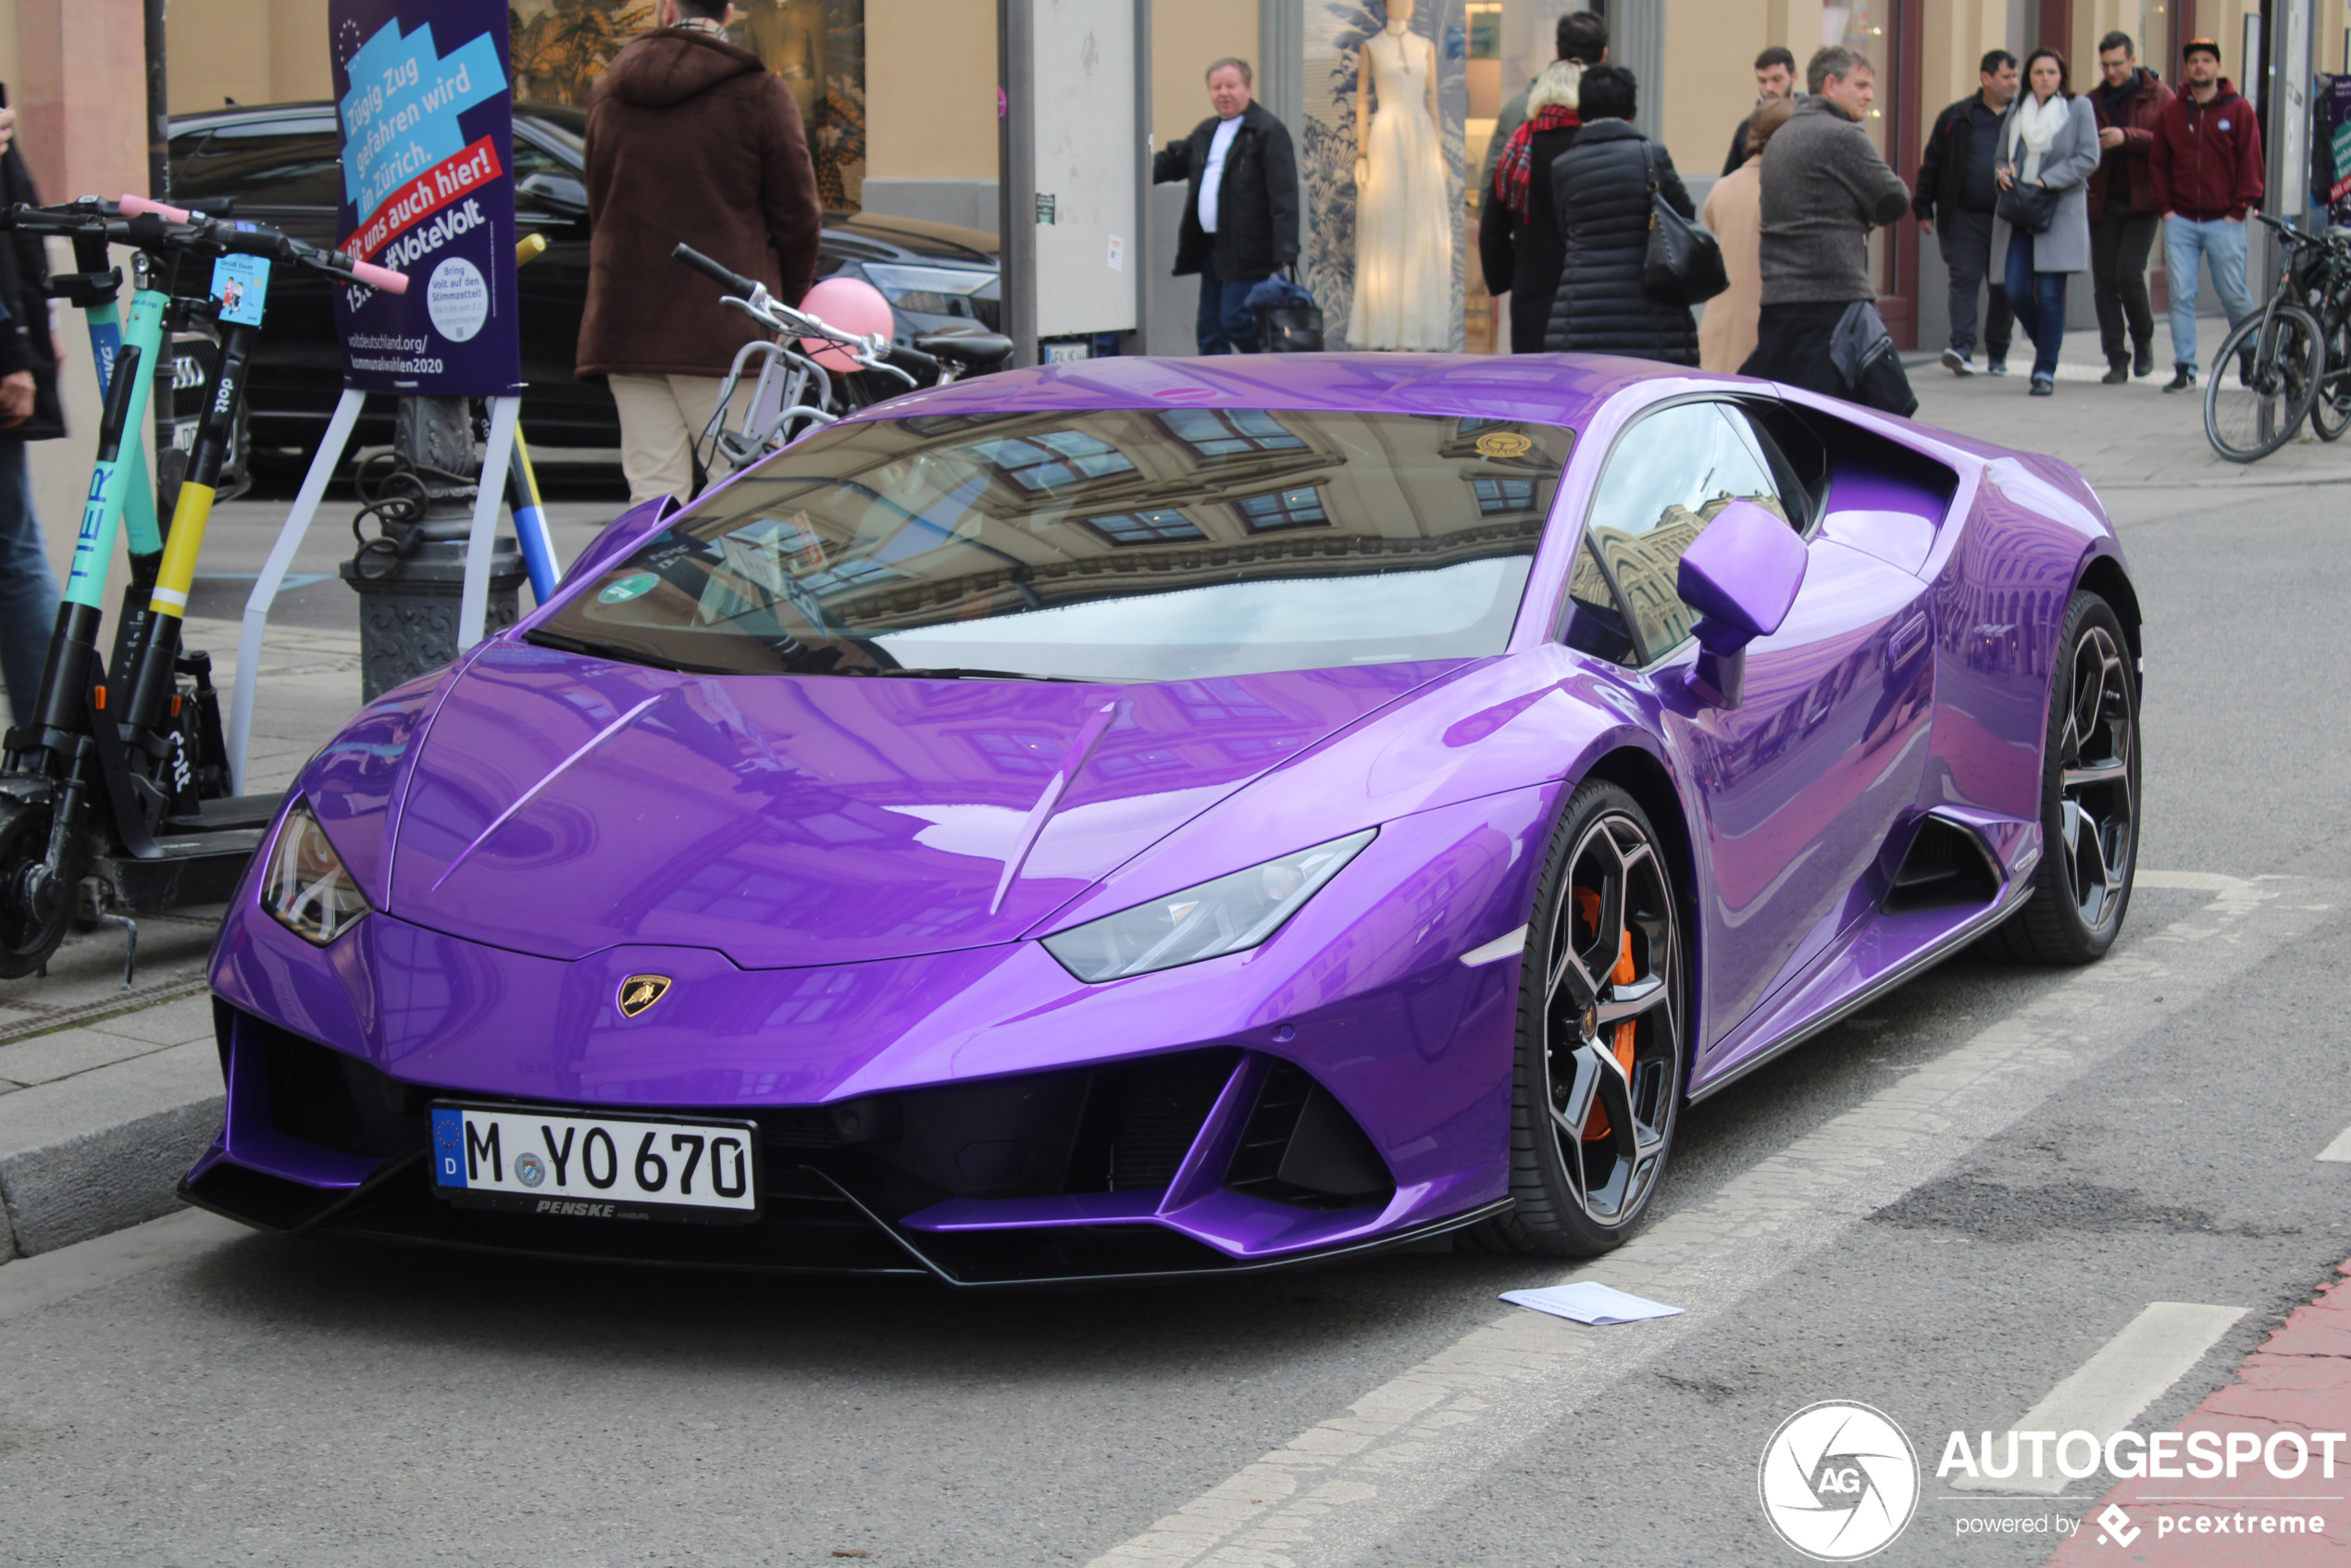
(104,1149)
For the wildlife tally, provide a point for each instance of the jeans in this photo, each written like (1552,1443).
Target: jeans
(1966,253)
(28,589)
(2038,299)
(1227,326)
(2220,243)
(2118,246)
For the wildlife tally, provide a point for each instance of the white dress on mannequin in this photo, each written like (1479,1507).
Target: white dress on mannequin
(1403,225)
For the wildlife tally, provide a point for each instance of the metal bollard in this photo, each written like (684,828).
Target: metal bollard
(410,582)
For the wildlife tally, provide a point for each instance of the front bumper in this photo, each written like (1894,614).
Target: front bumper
(977,1115)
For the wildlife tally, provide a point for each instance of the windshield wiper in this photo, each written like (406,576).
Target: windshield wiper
(627,654)
(975,675)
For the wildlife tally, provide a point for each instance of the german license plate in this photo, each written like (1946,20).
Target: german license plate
(563,1164)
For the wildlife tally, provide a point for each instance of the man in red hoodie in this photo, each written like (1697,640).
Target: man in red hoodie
(2207,168)
(692,139)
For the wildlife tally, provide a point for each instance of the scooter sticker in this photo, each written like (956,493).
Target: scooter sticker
(240,283)
(628,588)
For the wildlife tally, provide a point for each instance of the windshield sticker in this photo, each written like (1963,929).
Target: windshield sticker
(631,587)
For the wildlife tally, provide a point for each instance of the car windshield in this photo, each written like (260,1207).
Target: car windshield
(1128,544)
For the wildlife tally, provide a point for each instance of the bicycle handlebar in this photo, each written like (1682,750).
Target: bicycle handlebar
(735,283)
(133,206)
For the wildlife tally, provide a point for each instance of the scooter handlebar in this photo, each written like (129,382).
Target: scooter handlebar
(382,277)
(138,206)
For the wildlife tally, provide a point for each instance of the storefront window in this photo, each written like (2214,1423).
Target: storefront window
(1862,25)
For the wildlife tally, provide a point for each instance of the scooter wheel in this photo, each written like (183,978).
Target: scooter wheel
(32,924)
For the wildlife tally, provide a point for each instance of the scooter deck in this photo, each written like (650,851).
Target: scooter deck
(194,868)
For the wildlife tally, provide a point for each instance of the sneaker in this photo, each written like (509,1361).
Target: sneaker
(2117,373)
(1996,368)
(1957,362)
(2142,361)
(2043,386)
(2182,379)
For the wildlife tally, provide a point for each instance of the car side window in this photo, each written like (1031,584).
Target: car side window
(273,164)
(1669,476)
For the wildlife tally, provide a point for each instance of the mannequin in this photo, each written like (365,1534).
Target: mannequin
(1403,225)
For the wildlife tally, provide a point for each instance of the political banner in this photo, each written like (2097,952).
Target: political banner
(2336,126)
(422,91)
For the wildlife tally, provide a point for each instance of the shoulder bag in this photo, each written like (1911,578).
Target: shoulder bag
(2029,208)
(1684,265)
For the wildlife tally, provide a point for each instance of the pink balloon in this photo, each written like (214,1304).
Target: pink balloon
(851,306)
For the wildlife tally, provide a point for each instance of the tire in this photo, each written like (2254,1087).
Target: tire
(28,936)
(2089,798)
(1590,1135)
(2331,409)
(2247,416)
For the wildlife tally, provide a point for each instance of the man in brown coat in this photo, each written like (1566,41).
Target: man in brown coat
(691,138)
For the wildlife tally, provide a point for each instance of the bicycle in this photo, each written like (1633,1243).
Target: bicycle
(2279,355)
(793,393)
(121,778)
(2328,292)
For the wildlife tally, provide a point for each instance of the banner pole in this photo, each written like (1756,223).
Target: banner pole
(323,464)
(473,607)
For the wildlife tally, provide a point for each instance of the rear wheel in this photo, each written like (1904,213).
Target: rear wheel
(34,907)
(2330,410)
(2263,382)
(1603,1034)
(2089,798)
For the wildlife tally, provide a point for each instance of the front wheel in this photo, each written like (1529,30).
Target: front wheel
(2089,798)
(34,906)
(1603,1034)
(2263,382)
(2330,410)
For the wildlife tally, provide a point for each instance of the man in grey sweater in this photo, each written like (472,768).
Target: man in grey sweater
(1824,188)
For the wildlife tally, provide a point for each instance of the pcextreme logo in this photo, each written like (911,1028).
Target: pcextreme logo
(1838,1481)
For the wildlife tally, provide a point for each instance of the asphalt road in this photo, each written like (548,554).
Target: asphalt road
(1942,1209)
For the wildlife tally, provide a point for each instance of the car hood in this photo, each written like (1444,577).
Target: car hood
(561,806)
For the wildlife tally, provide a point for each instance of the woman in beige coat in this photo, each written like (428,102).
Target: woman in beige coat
(1734,215)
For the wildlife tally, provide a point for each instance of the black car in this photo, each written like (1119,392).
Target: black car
(278,165)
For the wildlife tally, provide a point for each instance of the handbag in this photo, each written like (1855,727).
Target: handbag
(1684,265)
(1288,321)
(2030,207)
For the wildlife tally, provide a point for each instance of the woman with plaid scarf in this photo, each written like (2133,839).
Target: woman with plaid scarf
(1519,242)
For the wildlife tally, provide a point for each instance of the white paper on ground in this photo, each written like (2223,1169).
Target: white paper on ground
(1588,1301)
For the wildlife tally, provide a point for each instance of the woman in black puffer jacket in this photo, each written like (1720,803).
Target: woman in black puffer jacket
(1601,189)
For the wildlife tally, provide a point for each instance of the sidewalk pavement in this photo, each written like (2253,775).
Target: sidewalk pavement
(2298,1383)
(106,1096)
(2132,437)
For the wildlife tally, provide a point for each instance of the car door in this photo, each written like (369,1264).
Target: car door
(1796,790)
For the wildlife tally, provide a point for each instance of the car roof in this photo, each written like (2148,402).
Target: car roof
(1554,389)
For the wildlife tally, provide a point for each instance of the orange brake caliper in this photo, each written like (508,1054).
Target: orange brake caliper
(1587,903)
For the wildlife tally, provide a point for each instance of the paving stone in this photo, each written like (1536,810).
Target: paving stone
(63,1052)
(172,1023)
(104,1149)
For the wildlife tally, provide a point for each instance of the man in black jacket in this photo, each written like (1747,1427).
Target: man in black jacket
(1774,80)
(28,588)
(1954,202)
(1240,213)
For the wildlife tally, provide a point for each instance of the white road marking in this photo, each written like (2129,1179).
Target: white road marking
(48,1279)
(1349,1482)
(2340,1149)
(2130,1371)
(1497,950)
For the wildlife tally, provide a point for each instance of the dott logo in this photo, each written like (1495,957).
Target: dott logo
(1838,1481)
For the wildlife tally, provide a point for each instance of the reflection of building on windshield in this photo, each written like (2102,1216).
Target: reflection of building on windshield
(1056,457)
(1300,508)
(1226,432)
(1647,566)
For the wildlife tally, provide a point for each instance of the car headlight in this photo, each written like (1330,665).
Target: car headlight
(305,885)
(1230,914)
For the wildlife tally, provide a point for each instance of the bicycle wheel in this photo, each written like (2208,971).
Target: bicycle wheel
(2263,382)
(2330,410)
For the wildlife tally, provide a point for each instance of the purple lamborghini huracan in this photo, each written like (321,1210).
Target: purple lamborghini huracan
(1146,818)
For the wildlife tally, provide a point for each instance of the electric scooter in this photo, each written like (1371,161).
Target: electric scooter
(120,781)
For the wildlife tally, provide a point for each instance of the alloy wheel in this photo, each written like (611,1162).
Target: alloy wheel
(2094,784)
(1612,1023)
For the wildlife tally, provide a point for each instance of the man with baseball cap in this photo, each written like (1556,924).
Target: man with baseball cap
(2207,168)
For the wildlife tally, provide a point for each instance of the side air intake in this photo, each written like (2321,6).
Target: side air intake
(1301,1147)
(1947,867)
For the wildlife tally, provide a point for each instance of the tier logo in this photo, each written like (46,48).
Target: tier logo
(1838,1481)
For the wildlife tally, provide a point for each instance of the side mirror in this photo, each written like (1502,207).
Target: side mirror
(558,193)
(1741,575)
